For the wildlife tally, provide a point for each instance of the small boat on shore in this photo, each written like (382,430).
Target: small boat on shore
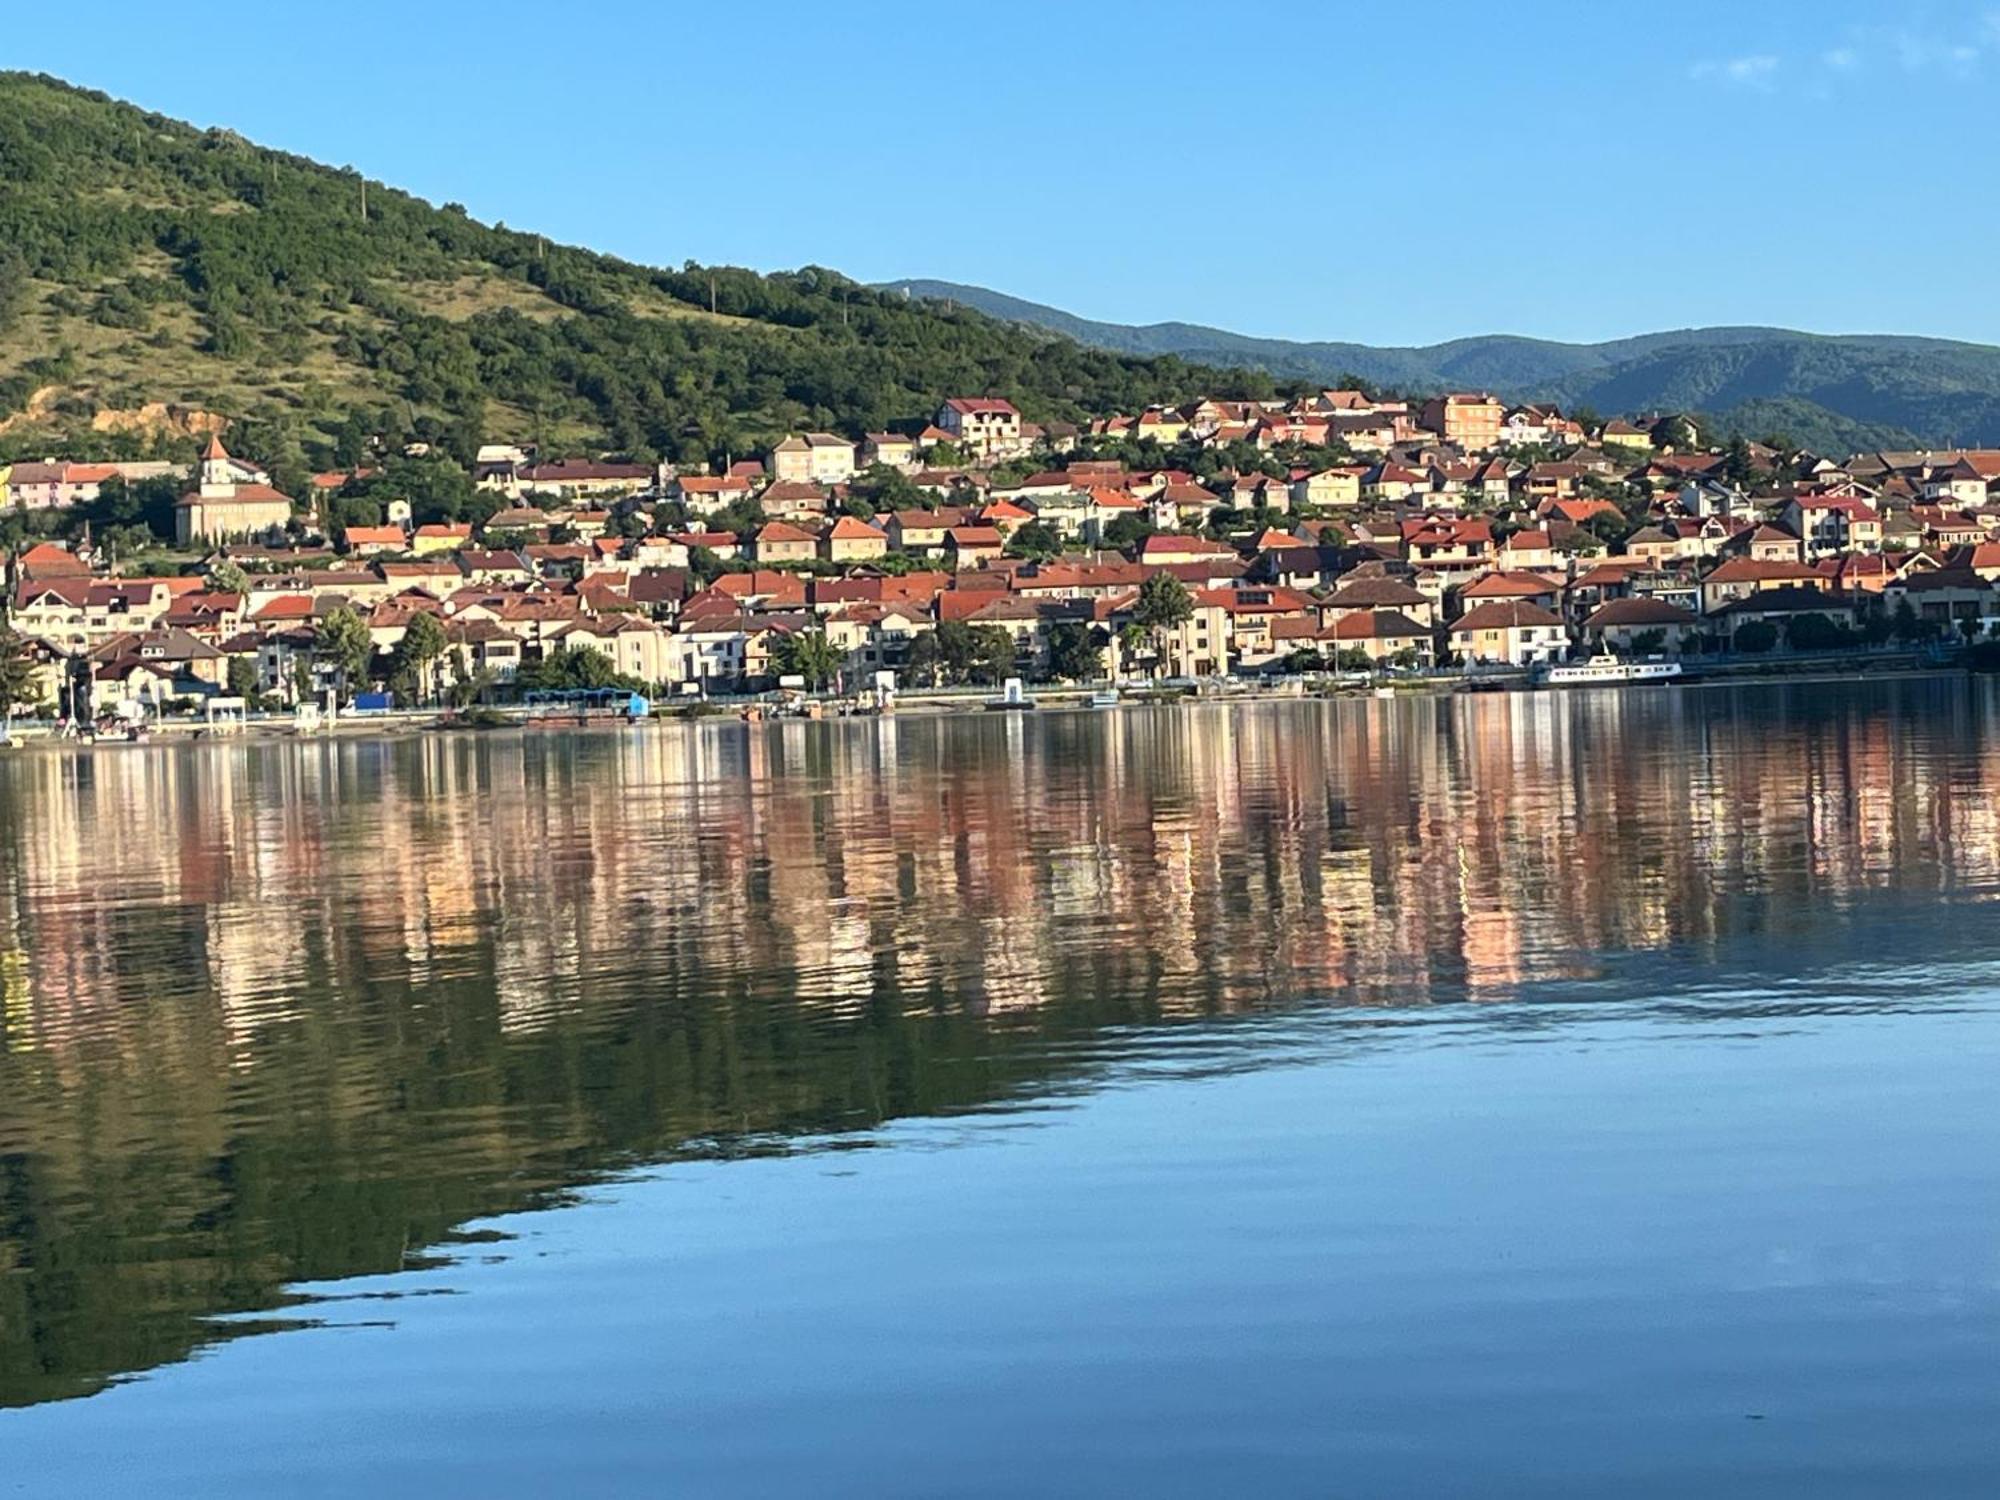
(1608,670)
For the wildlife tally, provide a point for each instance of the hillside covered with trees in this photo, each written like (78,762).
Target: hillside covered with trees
(144,261)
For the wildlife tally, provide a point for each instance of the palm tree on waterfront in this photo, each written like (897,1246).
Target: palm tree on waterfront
(810,655)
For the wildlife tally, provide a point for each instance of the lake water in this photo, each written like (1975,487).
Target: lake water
(1513,1094)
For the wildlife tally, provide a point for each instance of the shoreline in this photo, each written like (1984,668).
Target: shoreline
(406,724)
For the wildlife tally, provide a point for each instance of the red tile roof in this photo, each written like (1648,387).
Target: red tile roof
(781,531)
(1505,614)
(853,529)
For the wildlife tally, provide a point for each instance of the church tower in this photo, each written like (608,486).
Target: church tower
(218,477)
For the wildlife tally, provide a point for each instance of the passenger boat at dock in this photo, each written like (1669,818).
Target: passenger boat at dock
(1607,670)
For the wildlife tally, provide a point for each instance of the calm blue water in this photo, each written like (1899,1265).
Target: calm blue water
(1530,1096)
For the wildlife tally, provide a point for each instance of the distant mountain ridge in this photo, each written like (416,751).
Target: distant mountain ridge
(1827,390)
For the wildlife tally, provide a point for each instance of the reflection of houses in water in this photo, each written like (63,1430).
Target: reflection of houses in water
(1220,857)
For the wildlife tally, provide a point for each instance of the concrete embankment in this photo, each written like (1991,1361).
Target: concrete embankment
(1797,671)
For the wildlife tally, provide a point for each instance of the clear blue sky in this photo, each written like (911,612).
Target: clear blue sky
(1394,174)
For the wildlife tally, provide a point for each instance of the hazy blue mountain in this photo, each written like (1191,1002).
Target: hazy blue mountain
(1829,390)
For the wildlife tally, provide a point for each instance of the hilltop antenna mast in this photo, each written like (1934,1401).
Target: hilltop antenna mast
(364,200)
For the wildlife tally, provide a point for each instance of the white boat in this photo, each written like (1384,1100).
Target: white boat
(1607,670)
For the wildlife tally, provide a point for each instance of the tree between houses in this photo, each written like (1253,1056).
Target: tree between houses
(415,660)
(341,640)
(1076,651)
(957,653)
(993,659)
(924,658)
(243,679)
(17,678)
(573,669)
(1164,605)
(1756,637)
(1036,540)
(1127,531)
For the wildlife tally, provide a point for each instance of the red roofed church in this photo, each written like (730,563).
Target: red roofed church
(234,501)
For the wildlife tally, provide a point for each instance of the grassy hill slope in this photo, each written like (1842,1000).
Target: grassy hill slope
(145,261)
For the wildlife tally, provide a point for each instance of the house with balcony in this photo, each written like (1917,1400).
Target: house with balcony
(987,425)
(1470,420)
(819,458)
(1509,632)
(1828,525)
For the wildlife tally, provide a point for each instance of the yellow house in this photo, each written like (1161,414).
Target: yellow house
(1619,433)
(1162,424)
(851,540)
(780,541)
(893,449)
(1470,419)
(816,458)
(428,541)
(1328,487)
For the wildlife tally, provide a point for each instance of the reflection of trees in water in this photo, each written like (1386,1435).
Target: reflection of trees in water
(282,1012)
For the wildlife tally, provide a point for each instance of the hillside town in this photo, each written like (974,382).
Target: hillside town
(1330,531)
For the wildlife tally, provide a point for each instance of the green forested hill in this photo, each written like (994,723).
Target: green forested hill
(145,261)
(1833,391)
